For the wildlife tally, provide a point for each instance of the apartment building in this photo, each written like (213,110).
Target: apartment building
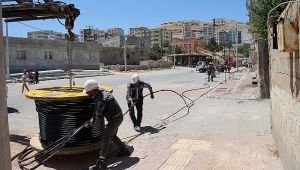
(115,32)
(160,36)
(186,31)
(140,32)
(92,35)
(188,45)
(46,35)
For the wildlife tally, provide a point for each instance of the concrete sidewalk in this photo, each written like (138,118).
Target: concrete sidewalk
(226,129)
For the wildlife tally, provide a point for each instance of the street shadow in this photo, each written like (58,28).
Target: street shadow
(71,162)
(124,163)
(85,160)
(150,129)
(23,140)
(12,110)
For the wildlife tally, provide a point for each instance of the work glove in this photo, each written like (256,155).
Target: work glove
(152,96)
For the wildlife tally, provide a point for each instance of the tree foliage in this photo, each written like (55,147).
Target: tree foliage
(155,52)
(213,46)
(258,15)
(166,45)
(178,50)
(244,49)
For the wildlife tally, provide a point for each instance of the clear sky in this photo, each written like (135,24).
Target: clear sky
(105,14)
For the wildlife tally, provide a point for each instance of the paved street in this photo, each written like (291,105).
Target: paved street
(227,128)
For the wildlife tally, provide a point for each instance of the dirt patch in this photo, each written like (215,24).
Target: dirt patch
(273,150)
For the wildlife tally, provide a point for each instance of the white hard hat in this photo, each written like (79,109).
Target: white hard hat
(90,85)
(135,78)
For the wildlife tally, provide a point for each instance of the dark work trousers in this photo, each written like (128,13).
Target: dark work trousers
(210,76)
(110,134)
(139,108)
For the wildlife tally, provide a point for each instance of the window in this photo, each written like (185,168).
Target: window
(48,55)
(128,57)
(142,53)
(21,55)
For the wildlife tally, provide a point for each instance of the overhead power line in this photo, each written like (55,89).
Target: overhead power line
(29,26)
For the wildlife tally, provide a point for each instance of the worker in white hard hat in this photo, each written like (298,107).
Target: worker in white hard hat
(107,107)
(135,98)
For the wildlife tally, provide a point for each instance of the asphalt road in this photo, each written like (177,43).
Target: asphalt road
(23,117)
(231,128)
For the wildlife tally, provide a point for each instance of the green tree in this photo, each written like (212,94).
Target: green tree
(153,55)
(244,49)
(178,50)
(166,45)
(155,52)
(213,46)
(258,15)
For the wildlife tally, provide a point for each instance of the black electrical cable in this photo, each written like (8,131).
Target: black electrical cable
(165,121)
(164,90)
(45,108)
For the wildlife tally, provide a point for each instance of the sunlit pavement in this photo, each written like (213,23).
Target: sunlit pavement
(227,128)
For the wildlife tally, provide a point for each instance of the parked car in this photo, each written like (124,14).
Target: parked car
(201,67)
(246,63)
(222,67)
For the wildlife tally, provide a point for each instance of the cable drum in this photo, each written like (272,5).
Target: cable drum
(61,110)
(58,118)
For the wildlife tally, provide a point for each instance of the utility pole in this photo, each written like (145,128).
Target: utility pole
(69,55)
(5,162)
(225,61)
(7,52)
(125,53)
(236,48)
(174,57)
(214,27)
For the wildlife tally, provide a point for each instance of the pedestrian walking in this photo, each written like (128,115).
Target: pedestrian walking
(36,77)
(135,98)
(210,72)
(30,77)
(24,81)
(106,107)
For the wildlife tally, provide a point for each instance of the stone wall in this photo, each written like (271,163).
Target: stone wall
(114,56)
(157,64)
(285,100)
(32,54)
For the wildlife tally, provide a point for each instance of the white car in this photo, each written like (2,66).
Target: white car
(201,67)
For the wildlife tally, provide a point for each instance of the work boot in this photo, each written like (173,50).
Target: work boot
(100,165)
(125,152)
(137,128)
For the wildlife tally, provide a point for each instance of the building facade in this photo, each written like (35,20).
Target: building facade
(160,36)
(115,32)
(188,45)
(222,38)
(142,44)
(186,31)
(32,54)
(92,35)
(115,55)
(140,32)
(46,35)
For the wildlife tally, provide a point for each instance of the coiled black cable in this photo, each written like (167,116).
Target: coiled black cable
(58,118)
